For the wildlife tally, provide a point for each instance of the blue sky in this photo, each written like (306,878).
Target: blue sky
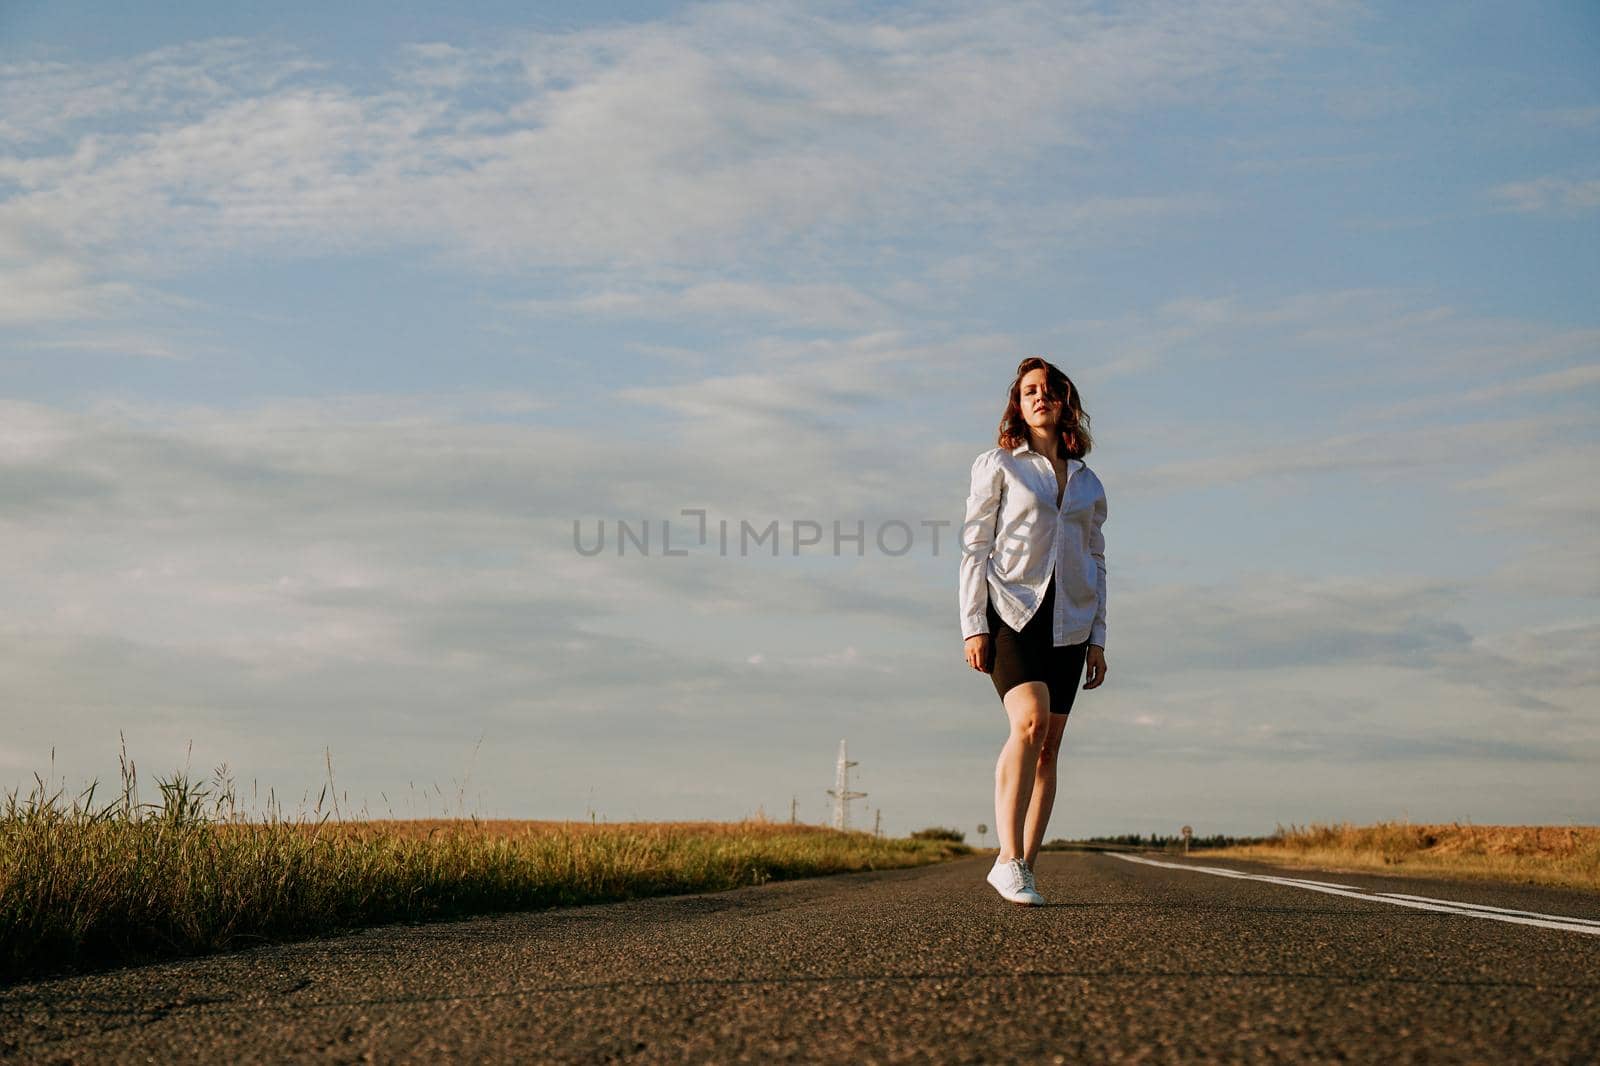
(320,327)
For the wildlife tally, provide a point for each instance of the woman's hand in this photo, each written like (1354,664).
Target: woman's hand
(1095,663)
(980,647)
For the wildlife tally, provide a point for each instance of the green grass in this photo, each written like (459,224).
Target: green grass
(124,883)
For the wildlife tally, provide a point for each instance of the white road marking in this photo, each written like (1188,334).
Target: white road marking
(1501,910)
(1324,884)
(1421,903)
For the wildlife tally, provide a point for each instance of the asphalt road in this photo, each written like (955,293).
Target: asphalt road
(1129,962)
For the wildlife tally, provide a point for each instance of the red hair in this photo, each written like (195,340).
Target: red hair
(1074,424)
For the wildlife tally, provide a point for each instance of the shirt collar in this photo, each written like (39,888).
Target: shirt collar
(1027,446)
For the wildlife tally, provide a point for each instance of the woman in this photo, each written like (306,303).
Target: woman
(1033,599)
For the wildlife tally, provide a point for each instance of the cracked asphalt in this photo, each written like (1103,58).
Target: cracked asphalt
(1127,963)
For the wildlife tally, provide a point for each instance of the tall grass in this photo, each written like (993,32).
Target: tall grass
(125,881)
(1564,856)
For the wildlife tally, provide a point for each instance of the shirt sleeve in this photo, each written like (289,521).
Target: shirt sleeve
(976,543)
(1097,548)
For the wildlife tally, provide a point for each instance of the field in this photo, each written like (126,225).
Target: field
(125,883)
(1567,857)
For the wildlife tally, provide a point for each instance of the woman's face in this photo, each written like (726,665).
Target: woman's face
(1038,410)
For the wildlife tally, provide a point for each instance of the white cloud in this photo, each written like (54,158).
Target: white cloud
(273,579)
(728,131)
(1552,500)
(1376,354)
(820,306)
(42,282)
(52,100)
(1383,453)
(115,342)
(1552,194)
(1538,384)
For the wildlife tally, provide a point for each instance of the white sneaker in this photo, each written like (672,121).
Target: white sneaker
(1011,880)
(1027,882)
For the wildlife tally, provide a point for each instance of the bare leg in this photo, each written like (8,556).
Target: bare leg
(1028,707)
(1044,790)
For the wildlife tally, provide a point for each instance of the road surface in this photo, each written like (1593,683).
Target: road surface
(1131,961)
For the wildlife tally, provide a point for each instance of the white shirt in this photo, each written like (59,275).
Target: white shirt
(1015,538)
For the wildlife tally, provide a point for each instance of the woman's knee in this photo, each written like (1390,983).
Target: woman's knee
(1029,710)
(1051,748)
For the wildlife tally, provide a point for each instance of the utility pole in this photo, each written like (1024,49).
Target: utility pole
(794,803)
(841,790)
(877,821)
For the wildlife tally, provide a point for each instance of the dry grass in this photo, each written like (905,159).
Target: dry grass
(131,882)
(1566,857)
(511,829)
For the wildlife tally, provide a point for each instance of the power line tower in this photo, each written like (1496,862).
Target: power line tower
(841,790)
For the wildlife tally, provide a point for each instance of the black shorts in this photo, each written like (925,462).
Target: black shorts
(1031,655)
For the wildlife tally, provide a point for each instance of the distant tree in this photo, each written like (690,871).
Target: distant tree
(939,833)
(1169,843)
